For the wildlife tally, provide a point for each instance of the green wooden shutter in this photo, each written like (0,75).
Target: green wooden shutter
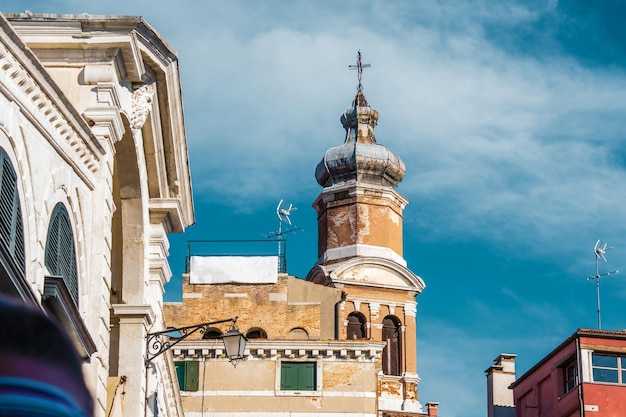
(191,376)
(187,373)
(60,251)
(297,376)
(180,373)
(306,376)
(288,377)
(11,227)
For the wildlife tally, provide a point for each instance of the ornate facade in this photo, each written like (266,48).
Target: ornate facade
(94,176)
(340,343)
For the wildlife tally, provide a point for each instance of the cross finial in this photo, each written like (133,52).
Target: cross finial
(359,68)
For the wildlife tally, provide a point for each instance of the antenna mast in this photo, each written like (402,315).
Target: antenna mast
(599,250)
(283,211)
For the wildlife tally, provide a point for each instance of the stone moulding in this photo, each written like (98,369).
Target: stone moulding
(362,351)
(24,89)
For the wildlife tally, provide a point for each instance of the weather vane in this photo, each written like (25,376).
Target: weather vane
(359,68)
(599,250)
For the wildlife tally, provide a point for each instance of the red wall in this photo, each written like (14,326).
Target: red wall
(610,399)
(540,393)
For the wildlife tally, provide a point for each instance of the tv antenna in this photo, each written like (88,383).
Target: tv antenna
(599,250)
(283,211)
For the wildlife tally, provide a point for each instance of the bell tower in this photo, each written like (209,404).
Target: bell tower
(360,250)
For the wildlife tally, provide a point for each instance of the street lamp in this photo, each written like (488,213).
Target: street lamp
(159,342)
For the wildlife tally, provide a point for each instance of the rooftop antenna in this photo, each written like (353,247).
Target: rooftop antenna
(599,250)
(283,211)
(359,68)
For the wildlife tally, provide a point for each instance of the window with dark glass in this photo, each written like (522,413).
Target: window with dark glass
(187,373)
(608,368)
(392,352)
(570,376)
(60,251)
(356,326)
(298,376)
(212,333)
(256,333)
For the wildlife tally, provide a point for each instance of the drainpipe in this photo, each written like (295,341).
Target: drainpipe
(581,399)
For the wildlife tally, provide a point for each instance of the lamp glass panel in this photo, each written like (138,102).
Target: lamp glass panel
(234,343)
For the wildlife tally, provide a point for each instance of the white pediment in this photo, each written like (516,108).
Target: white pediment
(368,271)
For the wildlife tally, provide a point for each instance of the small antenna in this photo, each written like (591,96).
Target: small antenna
(283,211)
(359,68)
(599,250)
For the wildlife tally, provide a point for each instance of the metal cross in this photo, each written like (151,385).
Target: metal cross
(359,67)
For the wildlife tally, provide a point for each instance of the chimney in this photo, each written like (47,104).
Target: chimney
(432,409)
(500,376)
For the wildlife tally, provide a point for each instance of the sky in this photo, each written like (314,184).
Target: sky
(509,117)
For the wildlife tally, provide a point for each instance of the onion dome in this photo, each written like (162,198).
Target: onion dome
(360,158)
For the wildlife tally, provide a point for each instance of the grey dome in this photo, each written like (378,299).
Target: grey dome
(360,158)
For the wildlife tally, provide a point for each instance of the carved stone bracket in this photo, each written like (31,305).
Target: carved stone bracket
(142,104)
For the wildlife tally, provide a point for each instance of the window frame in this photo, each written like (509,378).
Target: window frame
(620,368)
(570,376)
(317,369)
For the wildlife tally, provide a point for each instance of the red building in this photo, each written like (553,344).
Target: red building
(583,377)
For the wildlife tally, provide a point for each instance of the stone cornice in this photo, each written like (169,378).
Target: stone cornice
(169,212)
(291,349)
(33,87)
(355,189)
(360,250)
(409,307)
(142,312)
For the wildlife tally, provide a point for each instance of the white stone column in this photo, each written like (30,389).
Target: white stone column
(134,322)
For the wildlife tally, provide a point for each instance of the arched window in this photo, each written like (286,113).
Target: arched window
(212,333)
(392,353)
(12,257)
(356,326)
(256,333)
(298,333)
(60,250)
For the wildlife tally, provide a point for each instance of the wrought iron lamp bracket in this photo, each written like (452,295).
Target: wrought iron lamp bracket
(161,341)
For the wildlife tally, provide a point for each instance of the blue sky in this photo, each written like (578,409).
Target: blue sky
(509,116)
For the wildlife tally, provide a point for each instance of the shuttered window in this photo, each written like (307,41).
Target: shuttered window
(297,376)
(187,373)
(11,227)
(60,250)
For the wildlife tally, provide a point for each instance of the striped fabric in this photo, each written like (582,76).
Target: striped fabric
(21,397)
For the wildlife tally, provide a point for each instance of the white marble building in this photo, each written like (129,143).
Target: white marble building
(94,176)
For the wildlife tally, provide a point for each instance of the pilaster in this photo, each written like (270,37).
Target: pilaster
(134,322)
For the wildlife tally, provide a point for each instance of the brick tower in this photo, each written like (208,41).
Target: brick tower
(360,251)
